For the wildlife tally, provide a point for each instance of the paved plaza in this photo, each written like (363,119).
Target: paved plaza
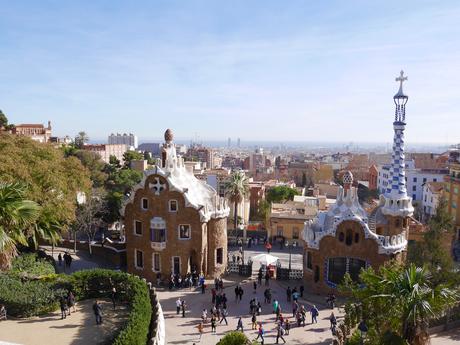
(181,330)
(77,329)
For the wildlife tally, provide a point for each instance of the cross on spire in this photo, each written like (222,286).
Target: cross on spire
(401,78)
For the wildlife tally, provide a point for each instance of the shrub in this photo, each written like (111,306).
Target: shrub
(27,298)
(234,338)
(31,264)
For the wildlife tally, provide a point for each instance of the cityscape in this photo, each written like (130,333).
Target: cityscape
(171,210)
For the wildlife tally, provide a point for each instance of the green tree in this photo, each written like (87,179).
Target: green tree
(52,180)
(432,250)
(129,156)
(398,301)
(236,189)
(281,194)
(16,214)
(3,120)
(118,185)
(81,139)
(114,162)
(95,165)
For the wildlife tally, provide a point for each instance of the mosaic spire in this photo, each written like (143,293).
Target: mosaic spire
(395,199)
(397,179)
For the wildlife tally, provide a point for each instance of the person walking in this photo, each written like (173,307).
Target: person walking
(63,305)
(183,308)
(237,292)
(259,276)
(255,286)
(314,314)
(287,326)
(254,321)
(113,296)
(71,301)
(241,293)
(200,329)
(275,306)
(260,334)
(204,315)
(223,315)
(301,290)
(295,307)
(259,308)
(97,309)
(288,294)
(279,334)
(178,305)
(213,324)
(333,321)
(240,324)
(267,278)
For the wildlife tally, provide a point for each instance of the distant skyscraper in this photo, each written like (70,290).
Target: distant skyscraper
(229,142)
(238,143)
(126,139)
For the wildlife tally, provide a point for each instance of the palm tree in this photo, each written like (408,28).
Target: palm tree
(236,190)
(419,302)
(16,214)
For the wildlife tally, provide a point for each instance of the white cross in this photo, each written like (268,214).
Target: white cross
(157,187)
(401,78)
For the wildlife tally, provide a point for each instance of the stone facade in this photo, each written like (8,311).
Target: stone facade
(174,223)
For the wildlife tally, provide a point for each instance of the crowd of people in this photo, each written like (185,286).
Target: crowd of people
(219,310)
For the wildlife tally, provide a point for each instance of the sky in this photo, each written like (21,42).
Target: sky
(258,70)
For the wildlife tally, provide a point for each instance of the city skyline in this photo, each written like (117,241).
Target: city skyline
(281,73)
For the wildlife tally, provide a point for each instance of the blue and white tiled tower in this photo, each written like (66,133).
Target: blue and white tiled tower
(396,201)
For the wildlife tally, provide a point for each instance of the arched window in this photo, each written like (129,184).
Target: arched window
(356,237)
(341,236)
(349,237)
(397,222)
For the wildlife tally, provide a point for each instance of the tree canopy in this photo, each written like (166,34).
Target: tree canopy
(52,180)
(280,194)
(3,120)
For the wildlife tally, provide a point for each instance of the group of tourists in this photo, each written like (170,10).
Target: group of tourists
(67,303)
(178,282)
(67,258)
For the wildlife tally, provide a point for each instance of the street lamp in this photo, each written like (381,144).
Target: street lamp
(81,200)
(363,330)
(290,246)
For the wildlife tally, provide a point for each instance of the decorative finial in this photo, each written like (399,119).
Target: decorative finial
(400,94)
(169,135)
(401,79)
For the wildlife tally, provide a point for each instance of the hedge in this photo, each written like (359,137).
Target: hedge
(28,298)
(24,297)
(98,283)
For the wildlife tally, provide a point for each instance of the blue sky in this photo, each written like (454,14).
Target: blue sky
(258,70)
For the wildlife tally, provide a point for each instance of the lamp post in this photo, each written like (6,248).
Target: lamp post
(363,330)
(81,199)
(290,246)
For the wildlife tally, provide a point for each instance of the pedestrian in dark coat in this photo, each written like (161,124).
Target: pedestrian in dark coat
(63,305)
(97,309)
